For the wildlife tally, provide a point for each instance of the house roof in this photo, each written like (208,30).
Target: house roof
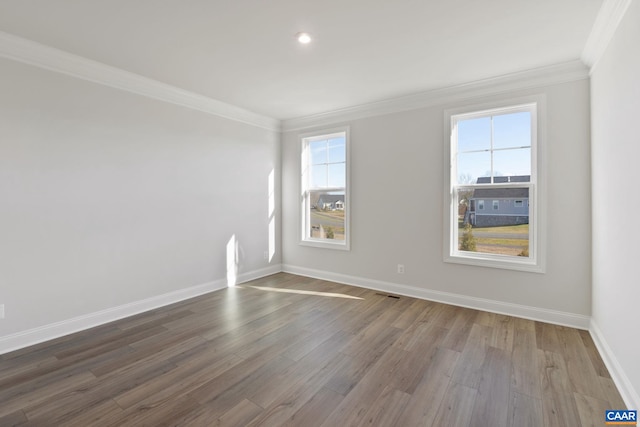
(331,198)
(497,193)
(503,179)
(501,193)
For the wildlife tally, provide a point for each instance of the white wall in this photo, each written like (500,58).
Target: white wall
(615,89)
(108,198)
(396,202)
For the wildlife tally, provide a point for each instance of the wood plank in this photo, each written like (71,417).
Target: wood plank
(468,369)
(96,413)
(316,409)
(175,382)
(591,410)
(94,393)
(417,360)
(427,397)
(417,311)
(291,396)
(547,337)
(460,329)
(50,371)
(348,377)
(492,401)
(582,374)
(613,396)
(525,374)
(558,402)
(386,409)
(168,348)
(524,411)
(14,419)
(456,407)
(330,360)
(33,396)
(238,416)
(504,331)
(591,349)
(169,413)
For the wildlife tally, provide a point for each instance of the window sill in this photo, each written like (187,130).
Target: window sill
(497,261)
(325,244)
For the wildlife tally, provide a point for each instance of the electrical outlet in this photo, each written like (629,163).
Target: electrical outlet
(1,311)
(400,268)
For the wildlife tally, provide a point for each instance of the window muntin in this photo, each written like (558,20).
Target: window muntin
(324,183)
(493,155)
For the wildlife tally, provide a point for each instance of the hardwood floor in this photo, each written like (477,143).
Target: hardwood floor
(294,351)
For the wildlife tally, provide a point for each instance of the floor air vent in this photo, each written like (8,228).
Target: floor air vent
(388,296)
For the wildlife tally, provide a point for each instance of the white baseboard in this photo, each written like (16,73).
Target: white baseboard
(627,391)
(51,331)
(527,312)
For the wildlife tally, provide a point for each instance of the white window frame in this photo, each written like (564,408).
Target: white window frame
(536,262)
(304,227)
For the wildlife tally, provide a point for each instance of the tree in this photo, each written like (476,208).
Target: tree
(328,232)
(466,178)
(468,242)
(465,195)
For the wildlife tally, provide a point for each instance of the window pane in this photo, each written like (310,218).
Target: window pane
(337,175)
(337,152)
(318,150)
(512,130)
(503,229)
(318,176)
(474,134)
(327,215)
(471,166)
(512,162)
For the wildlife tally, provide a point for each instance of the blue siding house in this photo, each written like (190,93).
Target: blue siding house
(490,207)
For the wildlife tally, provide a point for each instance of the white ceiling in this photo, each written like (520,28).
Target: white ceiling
(243,52)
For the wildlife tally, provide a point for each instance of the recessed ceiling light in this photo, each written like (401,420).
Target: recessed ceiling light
(303,38)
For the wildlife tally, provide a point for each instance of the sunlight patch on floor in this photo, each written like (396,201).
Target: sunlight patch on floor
(302,292)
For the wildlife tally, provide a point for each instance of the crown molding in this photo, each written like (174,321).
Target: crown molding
(534,78)
(49,58)
(606,23)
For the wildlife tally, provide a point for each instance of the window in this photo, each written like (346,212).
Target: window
(493,154)
(324,189)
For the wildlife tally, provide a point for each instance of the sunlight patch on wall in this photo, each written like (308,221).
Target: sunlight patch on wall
(272,216)
(232,261)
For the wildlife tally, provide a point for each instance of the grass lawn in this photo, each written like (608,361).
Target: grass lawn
(496,240)
(507,229)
